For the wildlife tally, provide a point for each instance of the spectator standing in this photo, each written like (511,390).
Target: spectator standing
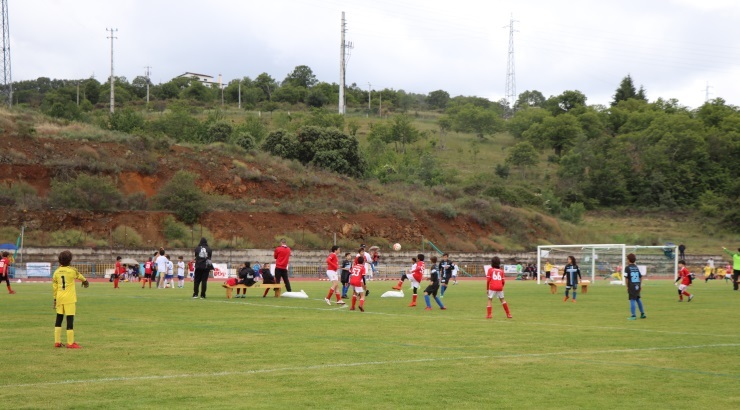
(203,265)
(282,260)
(161,264)
(735,267)
(682,251)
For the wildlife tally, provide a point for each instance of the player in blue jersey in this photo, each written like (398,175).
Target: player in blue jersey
(634,286)
(572,275)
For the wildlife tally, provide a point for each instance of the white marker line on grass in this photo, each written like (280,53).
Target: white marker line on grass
(372,363)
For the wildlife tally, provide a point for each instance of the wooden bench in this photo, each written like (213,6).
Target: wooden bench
(554,286)
(230,289)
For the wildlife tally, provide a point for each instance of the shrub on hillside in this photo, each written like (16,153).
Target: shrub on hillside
(126,236)
(88,192)
(69,237)
(182,196)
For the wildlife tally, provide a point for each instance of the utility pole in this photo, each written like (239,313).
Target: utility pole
(380,105)
(369,97)
(510,76)
(7,77)
(112,79)
(240,94)
(148,74)
(707,92)
(345,49)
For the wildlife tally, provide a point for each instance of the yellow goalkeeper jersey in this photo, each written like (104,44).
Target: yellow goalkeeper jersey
(63,283)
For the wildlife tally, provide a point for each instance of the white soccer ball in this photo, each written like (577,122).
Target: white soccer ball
(396,246)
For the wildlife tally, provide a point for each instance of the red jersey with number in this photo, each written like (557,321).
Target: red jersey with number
(119,269)
(417,271)
(191,266)
(4,263)
(685,276)
(332,262)
(356,274)
(148,267)
(495,279)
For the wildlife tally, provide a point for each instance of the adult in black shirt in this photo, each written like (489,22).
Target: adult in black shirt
(203,268)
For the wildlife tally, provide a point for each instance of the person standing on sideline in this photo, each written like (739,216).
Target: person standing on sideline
(685,277)
(117,272)
(434,286)
(634,285)
(735,267)
(332,266)
(572,275)
(180,272)
(203,254)
(682,251)
(5,271)
(495,281)
(65,298)
(282,260)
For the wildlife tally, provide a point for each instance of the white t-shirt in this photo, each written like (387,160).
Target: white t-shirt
(180,268)
(161,262)
(170,266)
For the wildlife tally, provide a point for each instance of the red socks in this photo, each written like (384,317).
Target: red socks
(339,297)
(506,309)
(331,292)
(488,309)
(354,301)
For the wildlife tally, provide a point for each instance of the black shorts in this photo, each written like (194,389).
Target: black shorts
(345,277)
(633,290)
(432,289)
(446,278)
(147,276)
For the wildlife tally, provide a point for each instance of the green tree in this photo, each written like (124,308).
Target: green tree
(529,99)
(438,99)
(523,119)
(301,76)
(558,133)
(282,144)
(87,192)
(475,119)
(568,101)
(267,84)
(522,155)
(182,196)
(627,91)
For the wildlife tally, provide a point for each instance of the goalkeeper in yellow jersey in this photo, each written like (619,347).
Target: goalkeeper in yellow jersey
(65,298)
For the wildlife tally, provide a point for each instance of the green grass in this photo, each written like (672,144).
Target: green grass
(162,349)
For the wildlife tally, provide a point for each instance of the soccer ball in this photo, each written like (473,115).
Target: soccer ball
(396,246)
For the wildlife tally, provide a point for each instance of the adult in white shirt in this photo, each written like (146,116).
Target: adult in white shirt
(161,263)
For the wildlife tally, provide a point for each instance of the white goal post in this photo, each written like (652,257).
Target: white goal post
(608,260)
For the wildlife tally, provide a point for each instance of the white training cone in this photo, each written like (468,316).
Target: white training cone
(296,295)
(392,294)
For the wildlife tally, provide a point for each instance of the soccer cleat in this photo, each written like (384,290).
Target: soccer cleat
(565,299)
(367,293)
(508,316)
(57,345)
(574,301)
(12,292)
(195,297)
(362,309)
(74,346)
(489,317)
(341,302)
(631,318)
(412,304)
(680,300)
(642,316)
(443,308)
(202,297)
(441,296)
(427,308)
(691,297)
(351,308)
(396,288)
(328,302)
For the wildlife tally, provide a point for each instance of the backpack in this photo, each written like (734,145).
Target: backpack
(203,253)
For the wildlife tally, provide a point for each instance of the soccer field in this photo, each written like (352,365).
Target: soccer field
(159,348)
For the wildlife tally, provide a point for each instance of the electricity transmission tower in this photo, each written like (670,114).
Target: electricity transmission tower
(112,78)
(510,75)
(7,77)
(344,52)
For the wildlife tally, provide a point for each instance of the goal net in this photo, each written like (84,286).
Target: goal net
(607,261)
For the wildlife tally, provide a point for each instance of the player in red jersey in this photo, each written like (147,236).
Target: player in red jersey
(357,273)
(415,275)
(5,271)
(191,269)
(117,272)
(495,282)
(685,277)
(147,273)
(332,266)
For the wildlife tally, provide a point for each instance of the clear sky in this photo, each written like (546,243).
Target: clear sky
(671,47)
